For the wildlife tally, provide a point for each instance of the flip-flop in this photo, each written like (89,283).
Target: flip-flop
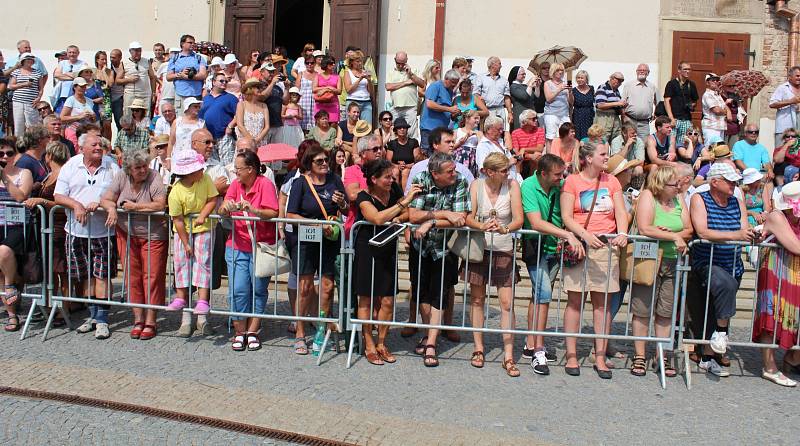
(420,348)
(12,326)
(300,347)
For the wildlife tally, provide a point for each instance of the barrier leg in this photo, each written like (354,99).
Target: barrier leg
(28,320)
(661,367)
(353,330)
(687,371)
(324,345)
(49,321)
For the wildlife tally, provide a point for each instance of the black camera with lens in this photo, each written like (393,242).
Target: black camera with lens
(191,72)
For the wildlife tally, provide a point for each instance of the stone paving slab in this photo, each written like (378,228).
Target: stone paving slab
(35,422)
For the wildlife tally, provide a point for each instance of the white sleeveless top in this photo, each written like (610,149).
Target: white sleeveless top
(501,210)
(360,93)
(183,133)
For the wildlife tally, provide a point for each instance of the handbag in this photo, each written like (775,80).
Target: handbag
(326,96)
(469,245)
(570,256)
(268,258)
(336,228)
(645,270)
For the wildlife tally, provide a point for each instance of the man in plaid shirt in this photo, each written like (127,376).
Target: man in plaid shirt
(443,203)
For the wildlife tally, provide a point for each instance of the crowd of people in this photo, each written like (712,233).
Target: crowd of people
(582,166)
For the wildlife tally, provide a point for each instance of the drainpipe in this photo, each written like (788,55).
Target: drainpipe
(438,30)
(794,29)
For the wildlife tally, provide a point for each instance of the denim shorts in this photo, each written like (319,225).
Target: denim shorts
(542,277)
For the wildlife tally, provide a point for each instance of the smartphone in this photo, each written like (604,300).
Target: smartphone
(569,84)
(387,235)
(633,192)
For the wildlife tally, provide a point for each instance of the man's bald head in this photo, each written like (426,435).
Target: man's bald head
(245,144)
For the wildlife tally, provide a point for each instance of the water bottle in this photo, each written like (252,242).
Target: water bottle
(319,337)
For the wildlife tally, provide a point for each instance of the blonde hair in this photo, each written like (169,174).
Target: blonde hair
(596,131)
(427,73)
(659,177)
(357,55)
(465,117)
(459,62)
(583,73)
(584,151)
(555,67)
(495,161)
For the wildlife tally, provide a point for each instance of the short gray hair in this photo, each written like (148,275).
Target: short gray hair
(491,60)
(452,75)
(363,143)
(527,115)
(492,121)
(133,159)
(683,169)
(437,161)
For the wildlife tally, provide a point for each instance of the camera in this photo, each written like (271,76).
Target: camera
(191,72)
(281,77)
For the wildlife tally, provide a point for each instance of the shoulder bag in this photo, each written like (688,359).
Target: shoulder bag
(469,245)
(644,270)
(268,259)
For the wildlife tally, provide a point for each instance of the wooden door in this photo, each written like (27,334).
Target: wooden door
(249,26)
(355,23)
(709,53)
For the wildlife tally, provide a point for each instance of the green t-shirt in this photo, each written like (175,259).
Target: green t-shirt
(672,221)
(534,199)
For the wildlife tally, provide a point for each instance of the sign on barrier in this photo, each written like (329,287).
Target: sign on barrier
(311,234)
(645,250)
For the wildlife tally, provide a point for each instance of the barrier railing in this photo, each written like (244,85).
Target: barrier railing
(31,222)
(648,251)
(309,232)
(699,297)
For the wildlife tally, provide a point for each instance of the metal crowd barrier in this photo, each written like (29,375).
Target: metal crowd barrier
(697,339)
(647,251)
(310,231)
(17,214)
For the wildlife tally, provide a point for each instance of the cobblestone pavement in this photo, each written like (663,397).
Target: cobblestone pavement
(37,422)
(403,403)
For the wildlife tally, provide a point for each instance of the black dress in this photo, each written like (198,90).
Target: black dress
(380,260)
(402,152)
(582,112)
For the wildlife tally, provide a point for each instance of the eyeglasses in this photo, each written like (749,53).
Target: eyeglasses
(205,141)
(618,79)
(237,169)
(751,132)
(692,133)
(321,161)
(222,81)
(386,119)
(6,153)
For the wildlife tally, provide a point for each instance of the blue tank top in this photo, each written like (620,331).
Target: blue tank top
(662,149)
(728,218)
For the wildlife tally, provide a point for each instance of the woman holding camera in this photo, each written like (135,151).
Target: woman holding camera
(558,102)
(592,206)
(250,195)
(358,83)
(252,116)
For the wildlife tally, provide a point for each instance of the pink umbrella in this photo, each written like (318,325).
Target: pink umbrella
(276,152)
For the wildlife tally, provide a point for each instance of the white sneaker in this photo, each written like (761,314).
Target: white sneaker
(87,326)
(778,378)
(539,363)
(719,342)
(712,367)
(102,331)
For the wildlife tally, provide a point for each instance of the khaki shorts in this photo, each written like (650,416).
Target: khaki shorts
(664,285)
(600,273)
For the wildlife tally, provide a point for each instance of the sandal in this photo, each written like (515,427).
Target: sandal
(136,332)
(292,328)
(373,358)
(510,367)
(430,360)
(253,342)
(148,332)
(300,347)
(11,296)
(420,348)
(385,354)
(669,371)
(477,360)
(238,343)
(639,366)
(12,324)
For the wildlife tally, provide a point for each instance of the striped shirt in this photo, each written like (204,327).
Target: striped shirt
(26,95)
(727,219)
(605,93)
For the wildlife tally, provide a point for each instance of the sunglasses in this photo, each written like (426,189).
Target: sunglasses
(386,119)
(789,137)
(619,80)
(692,133)
(310,62)
(41,109)
(205,141)
(375,149)
(321,161)
(222,81)
(751,132)
(6,153)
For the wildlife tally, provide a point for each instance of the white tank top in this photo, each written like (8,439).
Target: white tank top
(501,210)
(360,93)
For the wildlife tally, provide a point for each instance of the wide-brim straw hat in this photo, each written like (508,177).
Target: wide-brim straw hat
(363,128)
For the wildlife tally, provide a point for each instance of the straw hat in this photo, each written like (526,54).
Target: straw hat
(252,82)
(277,58)
(161,140)
(618,164)
(187,161)
(362,128)
(138,103)
(722,151)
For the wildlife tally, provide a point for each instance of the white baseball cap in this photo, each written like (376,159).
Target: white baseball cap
(294,90)
(188,102)
(317,53)
(135,46)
